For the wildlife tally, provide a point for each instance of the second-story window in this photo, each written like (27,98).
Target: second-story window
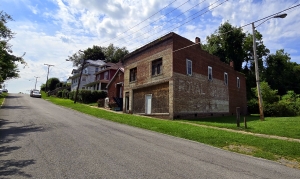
(238,82)
(85,71)
(133,74)
(96,69)
(156,67)
(106,75)
(225,78)
(210,77)
(188,67)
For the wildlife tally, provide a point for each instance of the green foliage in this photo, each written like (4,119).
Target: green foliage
(72,95)
(8,61)
(87,96)
(65,94)
(227,45)
(281,73)
(59,94)
(43,87)
(114,54)
(289,105)
(51,83)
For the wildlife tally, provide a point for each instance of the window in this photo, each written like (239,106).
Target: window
(133,74)
(85,71)
(209,73)
(188,67)
(238,82)
(156,67)
(106,75)
(96,70)
(225,78)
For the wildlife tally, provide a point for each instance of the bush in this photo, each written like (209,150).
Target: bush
(65,94)
(281,109)
(59,94)
(87,96)
(71,95)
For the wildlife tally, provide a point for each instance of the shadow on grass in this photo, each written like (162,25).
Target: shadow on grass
(9,134)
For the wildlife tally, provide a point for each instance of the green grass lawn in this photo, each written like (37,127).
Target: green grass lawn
(280,126)
(273,149)
(2,97)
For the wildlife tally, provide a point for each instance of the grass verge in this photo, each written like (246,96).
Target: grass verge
(279,126)
(2,97)
(272,149)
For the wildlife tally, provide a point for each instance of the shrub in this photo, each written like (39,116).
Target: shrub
(281,109)
(59,94)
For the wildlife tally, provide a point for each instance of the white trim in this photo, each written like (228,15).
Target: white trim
(226,79)
(238,83)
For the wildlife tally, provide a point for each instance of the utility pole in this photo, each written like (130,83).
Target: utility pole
(76,93)
(47,76)
(35,81)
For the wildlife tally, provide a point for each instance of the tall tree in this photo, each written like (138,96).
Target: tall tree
(114,54)
(108,54)
(281,73)
(227,44)
(8,61)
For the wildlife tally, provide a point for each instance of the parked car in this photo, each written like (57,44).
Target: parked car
(35,93)
(4,90)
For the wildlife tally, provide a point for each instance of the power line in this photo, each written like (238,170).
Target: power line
(192,18)
(155,20)
(140,22)
(176,17)
(241,26)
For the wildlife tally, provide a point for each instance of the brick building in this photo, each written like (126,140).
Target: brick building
(172,77)
(115,89)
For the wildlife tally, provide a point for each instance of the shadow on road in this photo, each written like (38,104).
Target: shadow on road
(13,96)
(14,167)
(9,134)
(14,107)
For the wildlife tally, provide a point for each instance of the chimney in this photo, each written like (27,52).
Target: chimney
(197,41)
(232,64)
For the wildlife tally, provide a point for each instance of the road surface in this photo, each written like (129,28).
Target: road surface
(41,140)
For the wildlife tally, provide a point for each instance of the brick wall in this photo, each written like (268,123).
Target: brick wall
(160,98)
(113,88)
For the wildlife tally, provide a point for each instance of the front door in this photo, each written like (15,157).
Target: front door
(148,103)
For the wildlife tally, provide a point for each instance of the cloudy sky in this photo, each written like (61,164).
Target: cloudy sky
(51,30)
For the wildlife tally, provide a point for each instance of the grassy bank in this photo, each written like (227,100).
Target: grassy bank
(280,126)
(2,97)
(272,149)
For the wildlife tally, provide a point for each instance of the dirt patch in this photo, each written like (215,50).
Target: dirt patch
(249,150)
(289,163)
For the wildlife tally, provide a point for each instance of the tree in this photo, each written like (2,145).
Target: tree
(8,61)
(52,83)
(227,45)
(281,73)
(108,54)
(114,54)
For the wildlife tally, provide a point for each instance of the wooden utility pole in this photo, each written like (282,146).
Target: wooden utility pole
(47,76)
(76,93)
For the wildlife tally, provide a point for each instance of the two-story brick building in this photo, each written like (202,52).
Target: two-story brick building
(172,77)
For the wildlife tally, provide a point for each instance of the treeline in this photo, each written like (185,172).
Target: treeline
(278,75)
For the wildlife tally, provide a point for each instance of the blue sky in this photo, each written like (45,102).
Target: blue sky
(51,30)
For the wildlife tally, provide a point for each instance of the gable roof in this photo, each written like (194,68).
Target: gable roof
(121,70)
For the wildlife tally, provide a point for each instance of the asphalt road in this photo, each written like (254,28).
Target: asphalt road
(41,140)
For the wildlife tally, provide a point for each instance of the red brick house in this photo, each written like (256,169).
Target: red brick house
(103,76)
(172,77)
(115,89)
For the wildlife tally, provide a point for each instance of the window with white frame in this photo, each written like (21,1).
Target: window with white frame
(225,78)
(238,82)
(210,77)
(106,75)
(189,67)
